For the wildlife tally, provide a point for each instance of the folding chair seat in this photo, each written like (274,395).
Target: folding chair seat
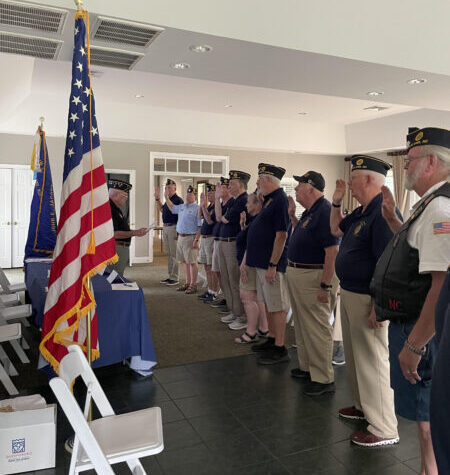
(9,288)
(9,300)
(12,313)
(10,333)
(112,438)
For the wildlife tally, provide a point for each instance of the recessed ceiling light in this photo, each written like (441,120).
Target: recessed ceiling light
(417,81)
(139,96)
(227,106)
(180,65)
(375,108)
(200,48)
(375,93)
(302,113)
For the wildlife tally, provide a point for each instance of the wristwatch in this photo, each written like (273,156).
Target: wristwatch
(335,205)
(271,264)
(325,286)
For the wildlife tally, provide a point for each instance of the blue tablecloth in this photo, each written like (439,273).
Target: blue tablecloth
(123,326)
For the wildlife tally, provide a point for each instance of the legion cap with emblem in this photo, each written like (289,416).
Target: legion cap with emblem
(364,162)
(224,180)
(210,187)
(427,136)
(170,182)
(191,189)
(238,175)
(267,169)
(315,179)
(119,185)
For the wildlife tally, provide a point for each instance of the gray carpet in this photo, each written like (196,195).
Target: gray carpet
(184,329)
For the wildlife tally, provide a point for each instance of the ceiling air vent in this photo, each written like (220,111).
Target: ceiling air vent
(29,45)
(18,14)
(124,32)
(114,58)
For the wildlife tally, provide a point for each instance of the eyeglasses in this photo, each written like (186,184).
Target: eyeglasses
(408,160)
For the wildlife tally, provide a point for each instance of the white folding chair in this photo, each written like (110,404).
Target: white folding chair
(9,300)
(10,333)
(13,313)
(9,288)
(112,438)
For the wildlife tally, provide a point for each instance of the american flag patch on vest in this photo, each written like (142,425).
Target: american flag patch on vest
(441,228)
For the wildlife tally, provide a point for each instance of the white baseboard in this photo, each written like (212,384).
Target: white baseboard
(142,260)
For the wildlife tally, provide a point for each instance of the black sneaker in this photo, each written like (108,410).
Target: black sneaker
(172,282)
(219,303)
(274,356)
(338,354)
(68,444)
(204,295)
(164,281)
(266,346)
(298,373)
(208,299)
(316,389)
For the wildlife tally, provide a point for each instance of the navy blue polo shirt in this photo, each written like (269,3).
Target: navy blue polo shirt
(366,234)
(272,218)
(207,229)
(233,216)
(219,224)
(241,240)
(312,235)
(167,216)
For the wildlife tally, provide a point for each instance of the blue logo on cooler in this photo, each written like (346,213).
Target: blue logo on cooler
(18,446)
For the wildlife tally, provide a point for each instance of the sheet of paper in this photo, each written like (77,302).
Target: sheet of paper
(125,286)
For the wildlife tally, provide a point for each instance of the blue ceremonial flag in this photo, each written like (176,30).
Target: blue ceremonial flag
(42,230)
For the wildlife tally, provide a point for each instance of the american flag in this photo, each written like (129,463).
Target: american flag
(441,228)
(85,240)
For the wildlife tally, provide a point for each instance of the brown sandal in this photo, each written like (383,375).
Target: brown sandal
(182,287)
(192,289)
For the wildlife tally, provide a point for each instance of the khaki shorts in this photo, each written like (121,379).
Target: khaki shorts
(275,296)
(206,250)
(251,279)
(185,251)
(215,257)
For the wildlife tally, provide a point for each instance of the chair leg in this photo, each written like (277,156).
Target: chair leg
(20,353)
(136,467)
(24,343)
(25,321)
(7,363)
(6,380)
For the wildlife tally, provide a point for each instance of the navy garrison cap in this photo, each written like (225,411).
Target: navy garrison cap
(364,162)
(170,182)
(210,187)
(224,181)
(238,175)
(267,169)
(119,185)
(191,189)
(427,136)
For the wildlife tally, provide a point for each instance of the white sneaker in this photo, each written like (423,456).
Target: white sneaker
(228,318)
(238,324)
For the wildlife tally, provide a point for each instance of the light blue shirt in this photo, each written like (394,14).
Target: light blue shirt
(188,220)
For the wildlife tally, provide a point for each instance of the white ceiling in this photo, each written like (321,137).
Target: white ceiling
(259,80)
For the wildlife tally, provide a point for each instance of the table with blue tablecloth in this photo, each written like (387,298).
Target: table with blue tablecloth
(123,326)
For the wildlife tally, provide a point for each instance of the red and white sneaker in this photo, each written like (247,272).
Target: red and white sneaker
(367,439)
(351,413)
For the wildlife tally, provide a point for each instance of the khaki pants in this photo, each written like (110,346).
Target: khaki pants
(124,259)
(170,246)
(313,332)
(230,276)
(367,363)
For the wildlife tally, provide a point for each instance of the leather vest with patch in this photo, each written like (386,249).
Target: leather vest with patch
(399,291)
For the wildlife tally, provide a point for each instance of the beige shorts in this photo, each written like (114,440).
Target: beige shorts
(215,257)
(275,296)
(206,250)
(251,280)
(185,251)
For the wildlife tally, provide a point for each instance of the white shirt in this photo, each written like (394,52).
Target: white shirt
(423,235)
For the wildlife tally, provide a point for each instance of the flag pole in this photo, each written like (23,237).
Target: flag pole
(41,119)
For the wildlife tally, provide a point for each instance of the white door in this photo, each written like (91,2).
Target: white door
(22,195)
(5,217)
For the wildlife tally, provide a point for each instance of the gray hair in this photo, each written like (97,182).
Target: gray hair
(442,153)
(273,179)
(378,178)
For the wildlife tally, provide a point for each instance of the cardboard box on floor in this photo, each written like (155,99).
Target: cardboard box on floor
(27,440)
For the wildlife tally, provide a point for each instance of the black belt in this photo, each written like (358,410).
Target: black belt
(231,239)
(206,235)
(304,266)
(170,224)
(185,235)
(122,243)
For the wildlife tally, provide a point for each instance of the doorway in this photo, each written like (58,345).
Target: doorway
(16,194)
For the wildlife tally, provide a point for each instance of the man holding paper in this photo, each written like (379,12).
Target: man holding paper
(118,195)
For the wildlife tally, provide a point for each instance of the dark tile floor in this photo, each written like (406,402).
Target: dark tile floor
(231,416)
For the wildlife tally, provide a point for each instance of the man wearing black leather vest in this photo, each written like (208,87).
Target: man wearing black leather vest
(409,276)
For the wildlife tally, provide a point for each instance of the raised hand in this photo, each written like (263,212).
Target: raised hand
(157,193)
(202,199)
(291,207)
(339,192)
(388,206)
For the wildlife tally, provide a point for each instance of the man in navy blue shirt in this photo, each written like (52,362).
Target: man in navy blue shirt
(170,231)
(228,264)
(364,234)
(266,250)
(312,283)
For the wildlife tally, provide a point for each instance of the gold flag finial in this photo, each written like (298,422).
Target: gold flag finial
(79,4)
